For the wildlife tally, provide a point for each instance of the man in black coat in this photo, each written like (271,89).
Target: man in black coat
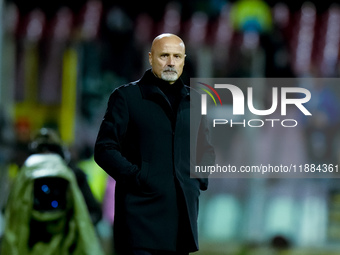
(144,144)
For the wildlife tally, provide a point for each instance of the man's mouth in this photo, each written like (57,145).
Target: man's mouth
(170,71)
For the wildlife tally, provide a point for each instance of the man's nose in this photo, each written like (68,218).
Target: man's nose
(171,61)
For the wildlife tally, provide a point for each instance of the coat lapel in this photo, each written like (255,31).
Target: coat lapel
(150,91)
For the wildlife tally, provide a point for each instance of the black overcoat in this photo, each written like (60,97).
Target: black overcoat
(145,147)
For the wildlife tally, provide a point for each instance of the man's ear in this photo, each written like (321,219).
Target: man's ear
(150,58)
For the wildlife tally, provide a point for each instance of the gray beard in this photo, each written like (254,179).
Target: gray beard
(169,76)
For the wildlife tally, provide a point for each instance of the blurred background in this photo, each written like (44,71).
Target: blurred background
(60,60)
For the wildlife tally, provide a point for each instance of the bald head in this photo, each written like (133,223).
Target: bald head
(167,38)
(167,57)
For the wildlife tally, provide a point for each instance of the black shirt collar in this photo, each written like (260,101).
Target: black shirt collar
(150,84)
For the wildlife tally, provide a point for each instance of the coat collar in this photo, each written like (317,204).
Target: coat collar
(148,85)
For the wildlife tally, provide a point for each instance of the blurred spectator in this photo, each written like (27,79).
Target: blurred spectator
(48,141)
(118,43)
(46,213)
(322,128)
(20,151)
(251,15)
(276,45)
(250,19)
(96,177)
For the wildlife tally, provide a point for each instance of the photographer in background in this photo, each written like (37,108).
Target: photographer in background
(48,141)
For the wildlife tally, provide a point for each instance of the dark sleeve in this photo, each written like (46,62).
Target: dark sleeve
(205,154)
(107,151)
